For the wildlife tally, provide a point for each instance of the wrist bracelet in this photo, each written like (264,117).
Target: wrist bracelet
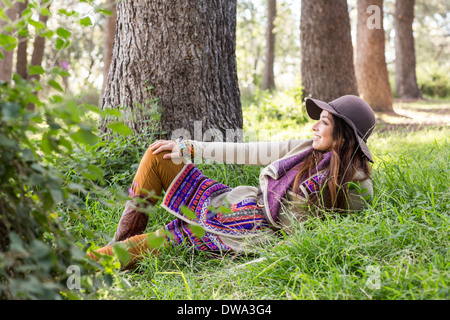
(182,146)
(186,148)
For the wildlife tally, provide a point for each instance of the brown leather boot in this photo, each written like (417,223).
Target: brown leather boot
(133,222)
(137,246)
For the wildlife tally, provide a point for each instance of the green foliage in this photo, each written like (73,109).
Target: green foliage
(38,254)
(434,81)
(102,172)
(36,251)
(273,113)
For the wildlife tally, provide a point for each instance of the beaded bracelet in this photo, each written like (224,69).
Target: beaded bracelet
(182,146)
(186,148)
(189,148)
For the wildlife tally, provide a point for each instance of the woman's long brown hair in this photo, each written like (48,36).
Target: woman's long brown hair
(346,159)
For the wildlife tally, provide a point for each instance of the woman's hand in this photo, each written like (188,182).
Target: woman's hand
(169,145)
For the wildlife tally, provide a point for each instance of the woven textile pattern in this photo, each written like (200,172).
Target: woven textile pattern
(194,191)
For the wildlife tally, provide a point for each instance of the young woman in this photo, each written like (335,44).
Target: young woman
(301,178)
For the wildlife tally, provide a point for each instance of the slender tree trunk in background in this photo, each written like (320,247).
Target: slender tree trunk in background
(405,54)
(6,64)
(256,60)
(184,51)
(371,69)
(326,48)
(22,55)
(38,50)
(110,31)
(268,82)
(39,44)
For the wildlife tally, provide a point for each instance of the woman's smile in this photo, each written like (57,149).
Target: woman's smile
(323,132)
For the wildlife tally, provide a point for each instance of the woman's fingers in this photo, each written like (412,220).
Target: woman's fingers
(162,148)
(172,155)
(168,145)
(158,143)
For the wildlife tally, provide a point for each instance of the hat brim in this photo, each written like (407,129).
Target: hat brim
(314,108)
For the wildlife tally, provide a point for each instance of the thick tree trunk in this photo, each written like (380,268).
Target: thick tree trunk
(110,31)
(371,69)
(268,82)
(6,64)
(326,48)
(405,55)
(182,53)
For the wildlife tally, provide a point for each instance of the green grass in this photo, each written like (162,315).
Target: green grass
(402,234)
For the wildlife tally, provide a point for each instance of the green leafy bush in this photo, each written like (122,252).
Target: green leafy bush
(35,251)
(433,80)
(270,113)
(39,258)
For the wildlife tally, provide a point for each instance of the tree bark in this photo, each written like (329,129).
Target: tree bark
(268,82)
(371,69)
(110,31)
(182,53)
(405,54)
(327,68)
(39,44)
(22,55)
(6,64)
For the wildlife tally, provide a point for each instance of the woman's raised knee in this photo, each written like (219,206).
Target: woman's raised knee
(154,158)
(158,159)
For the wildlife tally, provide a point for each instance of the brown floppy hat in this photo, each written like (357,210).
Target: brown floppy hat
(353,110)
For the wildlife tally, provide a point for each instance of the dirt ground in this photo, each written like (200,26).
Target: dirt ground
(414,115)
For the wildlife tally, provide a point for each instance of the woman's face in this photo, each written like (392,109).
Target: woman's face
(323,130)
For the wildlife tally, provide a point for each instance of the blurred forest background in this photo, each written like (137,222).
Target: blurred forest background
(85,59)
(86,86)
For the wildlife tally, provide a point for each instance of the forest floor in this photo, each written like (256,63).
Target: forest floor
(414,115)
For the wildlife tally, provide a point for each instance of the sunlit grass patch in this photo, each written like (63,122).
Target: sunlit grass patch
(396,248)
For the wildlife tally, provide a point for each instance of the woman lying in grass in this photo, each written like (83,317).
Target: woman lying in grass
(301,178)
